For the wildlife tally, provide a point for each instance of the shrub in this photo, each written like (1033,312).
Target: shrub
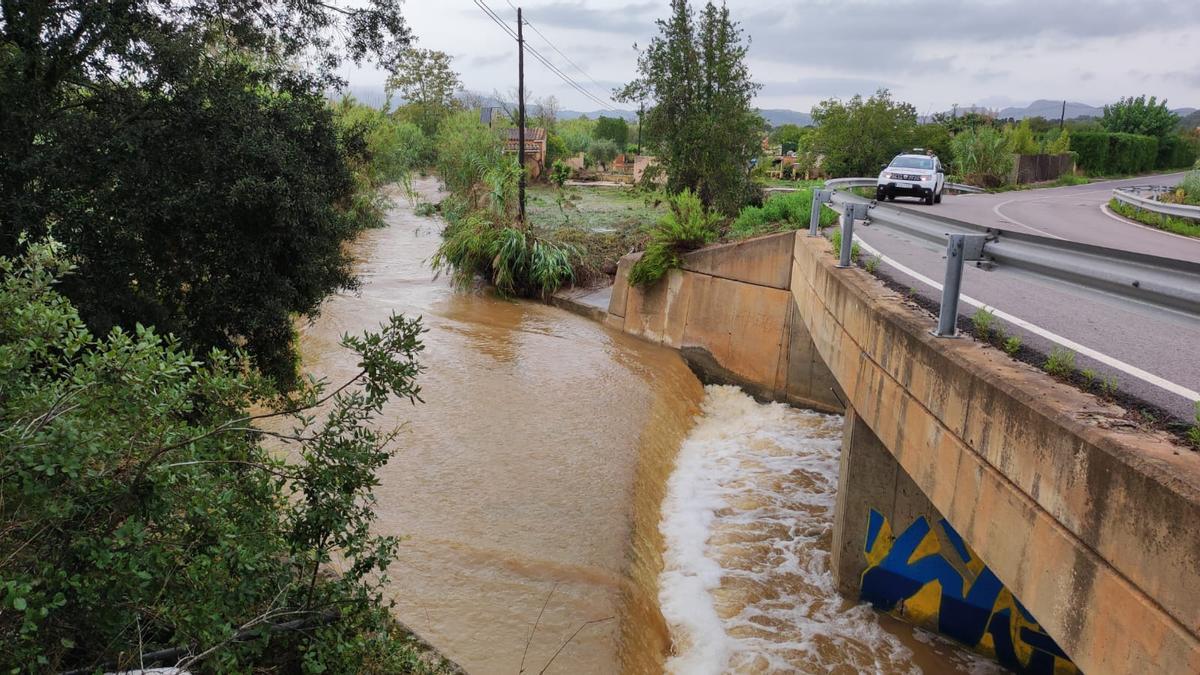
(1176,151)
(788,211)
(1020,139)
(687,226)
(464,146)
(142,511)
(559,174)
(516,260)
(982,156)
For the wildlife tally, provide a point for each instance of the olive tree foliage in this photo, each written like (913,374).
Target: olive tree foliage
(857,136)
(699,120)
(427,82)
(143,510)
(189,168)
(1147,117)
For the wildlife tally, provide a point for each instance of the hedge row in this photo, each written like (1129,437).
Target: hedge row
(1176,152)
(1101,152)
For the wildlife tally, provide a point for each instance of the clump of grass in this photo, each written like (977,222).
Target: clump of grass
(983,321)
(1194,432)
(836,240)
(788,211)
(686,227)
(1089,377)
(1070,179)
(1012,345)
(872,263)
(1108,387)
(425,209)
(1060,363)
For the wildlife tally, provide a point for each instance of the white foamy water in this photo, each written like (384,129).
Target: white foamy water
(747,524)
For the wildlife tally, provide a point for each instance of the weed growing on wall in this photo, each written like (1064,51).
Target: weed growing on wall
(1060,363)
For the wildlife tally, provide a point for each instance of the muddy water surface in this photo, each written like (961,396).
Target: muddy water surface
(530,488)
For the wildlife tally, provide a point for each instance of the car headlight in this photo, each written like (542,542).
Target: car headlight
(888,175)
(926,178)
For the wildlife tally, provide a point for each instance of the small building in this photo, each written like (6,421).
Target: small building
(535,149)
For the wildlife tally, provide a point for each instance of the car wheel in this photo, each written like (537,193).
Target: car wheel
(937,199)
(891,198)
(929,199)
(880,195)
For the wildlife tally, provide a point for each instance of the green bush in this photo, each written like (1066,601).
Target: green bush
(688,226)
(142,511)
(788,211)
(516,260)
(982,156)
(1105,153)
(463,146)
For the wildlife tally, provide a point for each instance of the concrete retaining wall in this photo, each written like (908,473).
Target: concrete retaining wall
(1091,523)
(730,312)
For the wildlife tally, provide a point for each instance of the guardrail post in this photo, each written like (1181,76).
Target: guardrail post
(959,249)
(814,220)
(853,212)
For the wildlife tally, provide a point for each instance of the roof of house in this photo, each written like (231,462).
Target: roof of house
(538,134)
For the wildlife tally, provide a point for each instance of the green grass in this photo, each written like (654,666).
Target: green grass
(1183,226)
(1060,363)
(779,213)
(596,209)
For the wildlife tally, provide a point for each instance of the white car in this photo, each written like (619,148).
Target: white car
(912,175)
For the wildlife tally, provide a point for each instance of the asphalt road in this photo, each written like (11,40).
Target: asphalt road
(1161,343)
(1076,213)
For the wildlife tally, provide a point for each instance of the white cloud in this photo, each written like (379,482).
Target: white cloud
(807,50)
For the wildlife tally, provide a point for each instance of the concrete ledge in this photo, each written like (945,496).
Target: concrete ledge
(1092,527)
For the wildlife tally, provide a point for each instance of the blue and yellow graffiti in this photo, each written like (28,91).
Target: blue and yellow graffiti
(927,575)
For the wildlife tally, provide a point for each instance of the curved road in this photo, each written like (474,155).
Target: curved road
(1077,213)
(1139,337)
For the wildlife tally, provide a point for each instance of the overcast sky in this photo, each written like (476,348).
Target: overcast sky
(931,53)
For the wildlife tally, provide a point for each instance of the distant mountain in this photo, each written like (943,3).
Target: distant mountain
(629,115)
(776,117)
(1050,110)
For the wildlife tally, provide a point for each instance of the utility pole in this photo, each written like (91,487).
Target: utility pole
(521,111)
(641,112)
(1063,118)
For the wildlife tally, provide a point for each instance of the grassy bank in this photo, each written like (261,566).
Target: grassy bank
(1183,226)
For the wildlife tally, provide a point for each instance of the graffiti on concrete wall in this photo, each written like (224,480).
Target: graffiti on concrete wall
(927,575)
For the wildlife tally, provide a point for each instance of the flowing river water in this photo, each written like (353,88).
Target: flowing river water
(564,476)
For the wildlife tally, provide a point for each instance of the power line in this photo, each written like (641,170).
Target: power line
(560,52)
(538,55)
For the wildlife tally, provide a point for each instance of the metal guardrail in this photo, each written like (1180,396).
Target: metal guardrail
(1162,282)
(1130,197)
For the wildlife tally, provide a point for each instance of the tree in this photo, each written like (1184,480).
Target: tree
(428,84)
(858,136)
(602,151)
(789,135)
(143,511)
(700,124)
(1140,116)
(615,129)
(194,175)
(547,114)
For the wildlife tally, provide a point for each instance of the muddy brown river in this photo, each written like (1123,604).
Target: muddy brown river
(564,475)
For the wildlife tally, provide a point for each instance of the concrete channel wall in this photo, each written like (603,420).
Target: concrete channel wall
(978,496)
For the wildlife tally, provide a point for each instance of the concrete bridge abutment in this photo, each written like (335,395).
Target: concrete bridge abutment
(978,496)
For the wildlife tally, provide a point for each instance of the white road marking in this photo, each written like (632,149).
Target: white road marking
(1014,221)
(1116,364)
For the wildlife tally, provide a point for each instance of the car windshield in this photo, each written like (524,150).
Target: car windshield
(912,163)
